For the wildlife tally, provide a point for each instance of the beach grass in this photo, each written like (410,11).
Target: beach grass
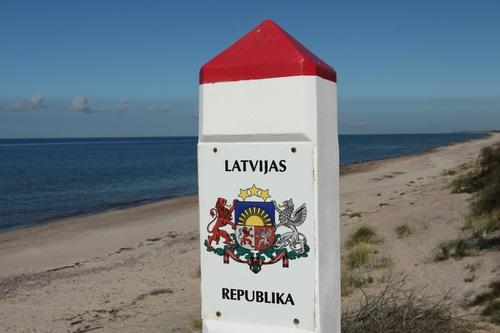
(456,248)
(403,230)
(361,259)
(480,228)
(364,234)
(450,172)
(358,256)
(490,300)
(197,323)
(483,181)
(353,278)
(493,312)
(397,308)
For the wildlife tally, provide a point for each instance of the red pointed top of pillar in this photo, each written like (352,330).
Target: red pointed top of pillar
(266,52)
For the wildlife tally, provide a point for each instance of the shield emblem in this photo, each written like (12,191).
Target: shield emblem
(255,226)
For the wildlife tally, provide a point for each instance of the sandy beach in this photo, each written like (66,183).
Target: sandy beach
(137,269)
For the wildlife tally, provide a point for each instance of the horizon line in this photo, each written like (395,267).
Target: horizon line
(195,136)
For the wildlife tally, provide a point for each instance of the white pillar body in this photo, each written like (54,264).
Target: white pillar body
(291,119)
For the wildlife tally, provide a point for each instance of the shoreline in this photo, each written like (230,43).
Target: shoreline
(65,239)
(129,205)
(137,269)
(344,170)
(368,165)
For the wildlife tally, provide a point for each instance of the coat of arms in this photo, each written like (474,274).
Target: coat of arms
(246,230)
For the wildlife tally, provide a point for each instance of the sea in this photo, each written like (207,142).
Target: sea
(47,179)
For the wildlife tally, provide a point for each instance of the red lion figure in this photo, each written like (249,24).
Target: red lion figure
(245,236)
(221,217)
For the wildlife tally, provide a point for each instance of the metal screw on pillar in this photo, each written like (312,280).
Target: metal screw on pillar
(215,150)
(294,150)
(218,314)
(296,322)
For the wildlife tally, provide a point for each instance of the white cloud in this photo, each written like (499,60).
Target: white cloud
(122,104)
(357,123)
(37,101)
(84,105)
(81,104)
(158,108)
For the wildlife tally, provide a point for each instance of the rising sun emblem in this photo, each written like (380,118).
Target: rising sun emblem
(255,216)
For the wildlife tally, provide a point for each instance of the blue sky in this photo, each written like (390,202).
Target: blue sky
(130,68)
